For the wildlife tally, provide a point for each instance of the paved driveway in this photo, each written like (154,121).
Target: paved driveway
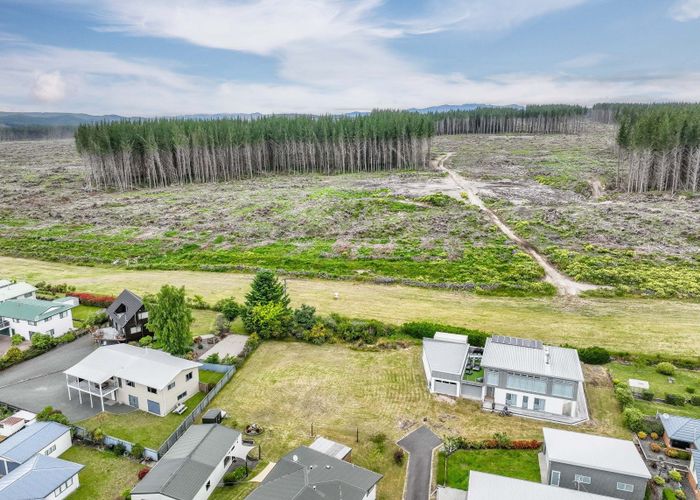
(40,382)
(420,445)
(232,345)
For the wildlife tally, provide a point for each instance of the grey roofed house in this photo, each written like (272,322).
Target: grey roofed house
(37,478)
(306,474)
(23,445)
(445,356)
(10,290)
(484,486)
(124,308)
(681,429)
(550,361)
(594,452)
(186,467)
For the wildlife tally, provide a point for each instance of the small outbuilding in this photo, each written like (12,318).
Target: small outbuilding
(332,449)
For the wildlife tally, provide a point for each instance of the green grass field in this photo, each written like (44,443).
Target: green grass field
(621,324)
(210,377)
(203,322)
(81,312)
(105,475)
(287,386)
(659,384)
(519,464)
(138,426)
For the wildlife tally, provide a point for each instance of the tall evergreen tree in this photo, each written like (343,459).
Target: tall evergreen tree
(265,289)
(169,318)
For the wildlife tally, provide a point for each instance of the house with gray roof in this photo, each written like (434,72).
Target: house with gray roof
(596,464)
(484,486)
(27,316)
(128,318)
(194,466)
(16,290)
(694,476)
(41,477)
(681,432)
(307,474)
(525,376)
(44,438)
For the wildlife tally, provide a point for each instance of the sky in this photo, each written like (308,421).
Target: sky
(168,57)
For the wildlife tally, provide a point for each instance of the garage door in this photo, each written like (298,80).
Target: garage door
(445,387)
(153,407)
(471,391)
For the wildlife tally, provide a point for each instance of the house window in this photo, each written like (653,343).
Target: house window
(130,383)
(554,479)
(31,323)
(63,315)
(625,487)
(171,385)
(63,487)
(48,319)
(208,485)
(143,315)
(50,449)
(511,399)
(526,400)
(135,329)
(188,377)
(227,460)
(492,378)
(579,478)
(538,404)
(526,383)
(50,332)
(152,390)
(563,389)
(180,396)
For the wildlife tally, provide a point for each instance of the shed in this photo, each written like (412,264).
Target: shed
(213,416)
(332,449)
(637,385)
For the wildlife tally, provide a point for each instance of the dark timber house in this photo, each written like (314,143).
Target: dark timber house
(128,316)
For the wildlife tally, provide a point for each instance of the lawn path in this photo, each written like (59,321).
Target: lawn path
(563,284)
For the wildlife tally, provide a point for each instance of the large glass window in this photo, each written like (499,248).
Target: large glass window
(511,399)
(538,404)
(625,487)
(492,378)
(580,478)
(556,475)
(526,383)
(563,389)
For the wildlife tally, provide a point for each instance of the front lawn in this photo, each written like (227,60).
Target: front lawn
(105,475)
(81,313)
(210,377)
(659,384)
(519,464)
(140,427)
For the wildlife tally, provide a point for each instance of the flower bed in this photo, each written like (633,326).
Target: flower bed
(91,299)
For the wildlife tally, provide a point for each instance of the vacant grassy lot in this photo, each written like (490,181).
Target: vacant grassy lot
(288,386)
(139,426)
(622,324)
(659,384)
(105,475)
(519,464)
(81,313)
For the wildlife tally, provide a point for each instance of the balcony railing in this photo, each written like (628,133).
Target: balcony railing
(4,324)
(92,387)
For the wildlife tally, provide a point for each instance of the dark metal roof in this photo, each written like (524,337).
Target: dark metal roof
(131,302)
(307,474)
(183,470)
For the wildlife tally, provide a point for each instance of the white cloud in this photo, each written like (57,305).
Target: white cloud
(49,87)
(685,10)
(584,61)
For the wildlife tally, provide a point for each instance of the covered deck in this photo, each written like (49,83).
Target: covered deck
(100,389)
(489,405)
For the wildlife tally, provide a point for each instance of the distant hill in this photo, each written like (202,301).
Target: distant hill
(11,119)
(460,107)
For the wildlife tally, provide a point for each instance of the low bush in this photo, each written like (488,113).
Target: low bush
(422,329)
(674,475)
(145,341)
(647,395)
(91,299)
(236,475)
(667,493)
(642,435)
(137,451)
(398,456)
(17,339)
(119,449)
(142,473)
(42,342)
(96,319)
(659,480)
(633,419)
(318,334)
(594,355)
(655,447)
(213,359)
(680,494)
(379,440)
(666,368)
(654,436)
(690,390)
(49,414)
(65,338)
(695,401)
(229,308)
(675,399)
(624,396)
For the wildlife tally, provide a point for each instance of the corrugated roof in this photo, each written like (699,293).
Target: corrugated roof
(330,448)
(484,486)
(182,471)
(306,474)
(696,463)
(445,356)
(563,362)
(32,309)
(682,428)
(145,366)
(595,452)
(131,302)
(14,290)
(26,443)
(37,478)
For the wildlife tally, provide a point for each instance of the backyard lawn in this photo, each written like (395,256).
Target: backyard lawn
(105,475)
(203,322)
(210,377)
(81,312)
(519,464)
(287,386)
(659,384)
(138,426)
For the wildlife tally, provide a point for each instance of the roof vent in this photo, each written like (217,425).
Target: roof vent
(328,466)
(295,458)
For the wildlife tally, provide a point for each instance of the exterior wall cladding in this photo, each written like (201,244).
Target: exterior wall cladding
(602,482)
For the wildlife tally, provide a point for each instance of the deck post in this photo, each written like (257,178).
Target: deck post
(80,393)
(102,399)
(68,386)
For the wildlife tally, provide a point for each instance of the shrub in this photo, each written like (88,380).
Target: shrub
(624,396)
(137,451)
(229,308)
(647,395)
(690,390)
(318,334)
(659,480)
(12,356)
(126,494)
(502,440)
(90,299)
(526,444)
(680,494)
(119,449)
(250,345)
(49,414)
(674,475)
(671,452)
(654,436)
(17,339)
(668,494)
(675,399)
(272,320)
(633,419)
(96,319)
(594,355)
(398,456)
(145,341)
(142,473)
(642,435)
(197,302)
(213,359)
(234,476)
(64,339)
(666,368)
(682,454)
(42,342)
(305,317)
(695,401)
(421,329)
(379,440)
(655,447)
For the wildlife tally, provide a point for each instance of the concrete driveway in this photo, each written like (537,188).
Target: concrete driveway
(420,445)
(40,382)
(232,345)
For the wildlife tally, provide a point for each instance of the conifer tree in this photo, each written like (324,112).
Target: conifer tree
(169,318)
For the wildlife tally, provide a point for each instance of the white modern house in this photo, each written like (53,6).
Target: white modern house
(525,376)
(16,290)
(147,379)
(28,316)
(43,438)
(483,486)
(194,466)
